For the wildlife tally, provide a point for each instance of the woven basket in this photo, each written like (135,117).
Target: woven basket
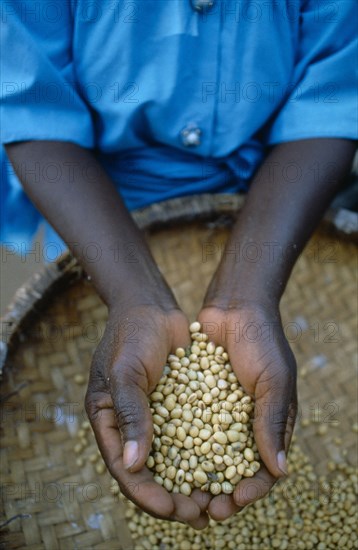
(56,321)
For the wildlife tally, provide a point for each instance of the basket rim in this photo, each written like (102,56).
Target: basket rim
(219,208)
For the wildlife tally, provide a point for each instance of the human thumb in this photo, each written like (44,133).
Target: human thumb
(273,426)
(128,383)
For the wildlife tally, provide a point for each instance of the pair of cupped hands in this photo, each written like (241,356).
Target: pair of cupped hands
(127,366)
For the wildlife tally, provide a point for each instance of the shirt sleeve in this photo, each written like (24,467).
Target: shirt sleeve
(40,99)
(322,102)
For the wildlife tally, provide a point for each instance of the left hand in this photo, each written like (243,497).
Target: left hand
(265,366)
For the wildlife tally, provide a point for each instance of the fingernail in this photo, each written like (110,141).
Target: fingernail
(282,462)
(130,454)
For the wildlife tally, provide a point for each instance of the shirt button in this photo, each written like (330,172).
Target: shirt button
(201,5)
(190,136)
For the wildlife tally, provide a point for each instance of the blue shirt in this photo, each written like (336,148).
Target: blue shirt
(173,100)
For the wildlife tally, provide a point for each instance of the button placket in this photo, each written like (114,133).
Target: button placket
(197,124)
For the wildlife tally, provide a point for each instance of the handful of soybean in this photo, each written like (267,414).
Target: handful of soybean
(202,421)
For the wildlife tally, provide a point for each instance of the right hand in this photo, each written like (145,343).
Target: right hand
(126,368)
(264,363)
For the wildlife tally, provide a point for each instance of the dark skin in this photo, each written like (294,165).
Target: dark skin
(280,213)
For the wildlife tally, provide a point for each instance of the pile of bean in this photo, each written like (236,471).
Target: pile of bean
(304,511)
(202,421)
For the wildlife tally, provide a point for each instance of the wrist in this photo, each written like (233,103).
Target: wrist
(132,280)
(243,304)
(234,291)
(251,271)
(141,294)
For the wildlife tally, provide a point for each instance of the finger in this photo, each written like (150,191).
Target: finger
(200,523)
(222,507)
(274,394)
(251,489)
(201,498)
(186,509)
(139,487)
(128,385)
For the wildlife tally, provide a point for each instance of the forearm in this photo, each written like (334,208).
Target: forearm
(287,198)
(84,207)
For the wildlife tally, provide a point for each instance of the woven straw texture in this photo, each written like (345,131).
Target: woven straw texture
(52,503)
